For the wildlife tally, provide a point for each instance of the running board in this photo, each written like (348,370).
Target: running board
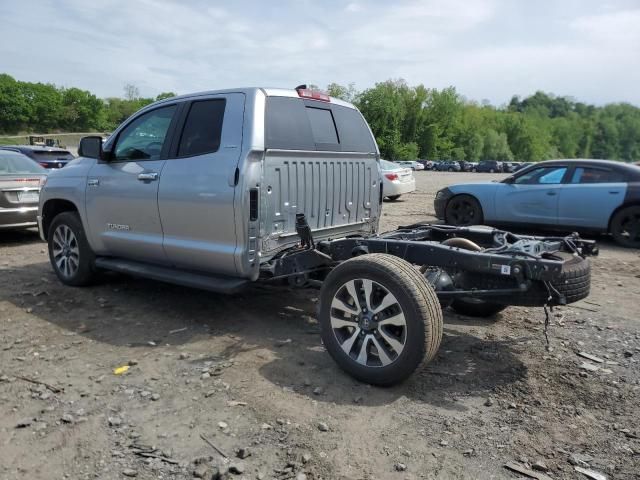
(218,284)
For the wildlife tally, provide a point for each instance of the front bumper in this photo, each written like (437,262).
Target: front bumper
(40,229)
(440,202)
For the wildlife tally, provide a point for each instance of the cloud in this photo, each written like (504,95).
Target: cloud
(486,48)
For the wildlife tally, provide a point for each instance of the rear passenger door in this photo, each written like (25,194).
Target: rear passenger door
(591,195)
(197,188)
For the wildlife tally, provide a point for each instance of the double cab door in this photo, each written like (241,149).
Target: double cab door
(165,192)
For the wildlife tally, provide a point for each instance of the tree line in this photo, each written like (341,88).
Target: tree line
(46,108)
(409,122)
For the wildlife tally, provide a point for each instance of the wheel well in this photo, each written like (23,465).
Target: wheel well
(621,207)
(52,208)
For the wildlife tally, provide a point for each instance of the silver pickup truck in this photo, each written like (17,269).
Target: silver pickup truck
(220,189)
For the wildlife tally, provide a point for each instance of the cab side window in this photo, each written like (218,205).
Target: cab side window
(143,138)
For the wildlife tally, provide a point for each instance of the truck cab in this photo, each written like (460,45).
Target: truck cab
(212,182)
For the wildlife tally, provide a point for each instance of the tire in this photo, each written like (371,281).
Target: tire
(574,282)
(450,170)
(463,210)
(625,227)
(491,170)
(474,170)
(69,252)
(349,326)
(472,307)
(393,198)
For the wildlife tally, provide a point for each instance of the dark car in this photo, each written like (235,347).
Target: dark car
(489,166)
(447,167)
(569,195)
(47,157)
(20,182)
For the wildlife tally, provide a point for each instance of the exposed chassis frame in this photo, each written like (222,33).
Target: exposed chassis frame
(420,244)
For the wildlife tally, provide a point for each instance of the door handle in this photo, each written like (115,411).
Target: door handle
(551,193)
(93,182)
(148,177)
(614,192)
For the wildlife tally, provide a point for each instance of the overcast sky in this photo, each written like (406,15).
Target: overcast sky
(487,49)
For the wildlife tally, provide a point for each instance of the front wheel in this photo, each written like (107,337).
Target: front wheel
(69,252)
(463,210)
(625,227)
(379,318)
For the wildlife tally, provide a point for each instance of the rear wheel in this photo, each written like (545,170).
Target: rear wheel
(379,318)
(625,227)
(463,210)
(69,252)
(393,198)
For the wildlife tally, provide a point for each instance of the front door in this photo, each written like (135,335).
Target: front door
(532,198)
(122,194)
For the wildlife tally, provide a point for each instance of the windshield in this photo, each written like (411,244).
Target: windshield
(14,163)
(387,165)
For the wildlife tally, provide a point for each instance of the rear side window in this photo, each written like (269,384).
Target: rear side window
(595,175)
(296,124)
(203,128)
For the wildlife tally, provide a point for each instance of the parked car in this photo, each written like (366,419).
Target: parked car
(20,182)
(221,189)
(427,164)
(396,180)
(489,166)
(47,157)
(473,166)
(448,167)
(570,195)
(412,164)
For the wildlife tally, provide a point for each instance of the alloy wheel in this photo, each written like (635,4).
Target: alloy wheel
(368,323)
(66,253)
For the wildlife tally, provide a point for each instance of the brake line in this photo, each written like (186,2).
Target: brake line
(547,319)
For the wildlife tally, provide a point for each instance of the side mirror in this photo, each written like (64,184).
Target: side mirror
(90,147)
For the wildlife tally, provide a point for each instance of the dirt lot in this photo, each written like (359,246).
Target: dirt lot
(250,374)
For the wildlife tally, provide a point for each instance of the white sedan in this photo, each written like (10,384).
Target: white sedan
(396,180)
(412,164)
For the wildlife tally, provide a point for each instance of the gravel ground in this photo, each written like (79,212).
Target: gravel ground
(241,386)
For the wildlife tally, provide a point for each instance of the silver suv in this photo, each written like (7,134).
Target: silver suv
(220,189)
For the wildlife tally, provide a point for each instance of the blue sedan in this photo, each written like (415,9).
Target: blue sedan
(584,195)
